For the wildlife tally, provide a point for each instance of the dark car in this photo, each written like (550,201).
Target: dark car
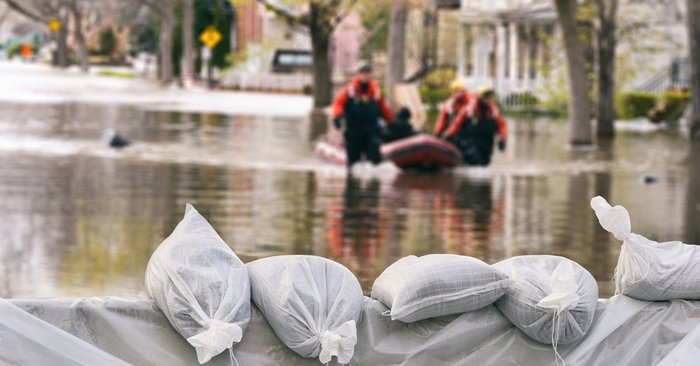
(288,61)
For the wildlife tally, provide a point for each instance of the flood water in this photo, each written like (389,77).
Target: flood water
(79,219)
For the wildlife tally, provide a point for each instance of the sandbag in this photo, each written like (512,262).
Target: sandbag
(313,304)
(201,286)
(434,285)
(647,270)
(551,299)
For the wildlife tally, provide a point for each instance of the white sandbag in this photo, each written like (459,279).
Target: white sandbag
(313,304)
(647,270)
(551,299)
(201,286)
(434,285)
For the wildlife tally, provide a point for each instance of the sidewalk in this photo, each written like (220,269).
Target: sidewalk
(38,83)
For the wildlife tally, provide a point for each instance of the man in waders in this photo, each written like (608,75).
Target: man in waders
(360,103)
(480,132)
(454,112)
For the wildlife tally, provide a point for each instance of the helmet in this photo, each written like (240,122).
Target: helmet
(457,85)
(363,66)
(484,90)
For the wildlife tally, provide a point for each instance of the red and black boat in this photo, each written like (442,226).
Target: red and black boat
(420,151)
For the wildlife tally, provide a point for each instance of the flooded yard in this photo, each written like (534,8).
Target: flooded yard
(80,219)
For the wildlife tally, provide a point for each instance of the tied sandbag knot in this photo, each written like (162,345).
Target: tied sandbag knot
(613,219)
(564,297)
(218,337)
(339,342)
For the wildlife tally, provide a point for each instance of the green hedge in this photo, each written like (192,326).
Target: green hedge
(634,105)
(436,87)
(15,50)
(670,106)
(433,97)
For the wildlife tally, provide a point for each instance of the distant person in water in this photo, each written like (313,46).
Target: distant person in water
(401,128)
(361,103)
(112,138)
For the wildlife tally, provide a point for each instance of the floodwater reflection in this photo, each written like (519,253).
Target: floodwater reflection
(81,220)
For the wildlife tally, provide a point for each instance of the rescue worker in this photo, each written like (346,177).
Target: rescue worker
(401,128)
(479,133)
(455,111)
(360,103)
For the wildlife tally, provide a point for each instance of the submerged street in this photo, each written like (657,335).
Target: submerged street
(81,219)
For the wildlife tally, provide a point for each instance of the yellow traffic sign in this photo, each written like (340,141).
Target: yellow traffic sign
(210,36)
(55,25)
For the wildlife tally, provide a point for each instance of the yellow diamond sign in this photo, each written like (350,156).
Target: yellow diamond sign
(210,36)
(55,25)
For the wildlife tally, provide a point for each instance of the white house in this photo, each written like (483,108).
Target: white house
(502,43)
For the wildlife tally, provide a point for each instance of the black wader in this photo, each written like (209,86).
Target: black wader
(362,130)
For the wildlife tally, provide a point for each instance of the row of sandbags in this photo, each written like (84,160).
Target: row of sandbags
(313,304)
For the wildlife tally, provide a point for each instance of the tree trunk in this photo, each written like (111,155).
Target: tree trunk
(429,57)
(607,11)
(692,198)
(396,45)
(187,69)
(80,38)
(694,40)
(579,106)
(166,42)
(321,30)
(61,59)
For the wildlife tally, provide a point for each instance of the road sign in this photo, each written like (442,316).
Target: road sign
(55,25)
(210,36)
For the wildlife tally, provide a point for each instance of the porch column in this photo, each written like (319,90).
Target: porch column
(513,33)
(476,59)
(500,59)
(462,52)
(527,56)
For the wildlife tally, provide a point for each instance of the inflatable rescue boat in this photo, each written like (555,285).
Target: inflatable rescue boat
(420,151)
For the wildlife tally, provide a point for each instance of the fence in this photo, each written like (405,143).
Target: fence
(677,76)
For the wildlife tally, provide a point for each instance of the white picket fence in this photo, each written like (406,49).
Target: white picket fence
(267,82)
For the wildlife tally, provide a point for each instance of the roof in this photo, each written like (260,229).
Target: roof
(479,11)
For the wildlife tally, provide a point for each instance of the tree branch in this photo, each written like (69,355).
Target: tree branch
(14,5)
(285,14)
(344,13)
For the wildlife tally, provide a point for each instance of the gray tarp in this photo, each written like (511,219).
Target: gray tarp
(625,332)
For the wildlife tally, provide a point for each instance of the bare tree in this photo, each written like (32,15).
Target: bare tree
(320,18)
(187,69)
(579,105)
(76,8)
(167,12)
(694,40)
(165,9)
(607,11)
(396,44)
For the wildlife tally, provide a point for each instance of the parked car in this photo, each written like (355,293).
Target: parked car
(290,61)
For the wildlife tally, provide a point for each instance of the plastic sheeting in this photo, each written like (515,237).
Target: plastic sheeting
(624,332)
(28,340)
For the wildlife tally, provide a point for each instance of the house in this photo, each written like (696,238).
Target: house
(505,43)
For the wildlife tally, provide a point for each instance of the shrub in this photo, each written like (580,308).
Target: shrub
(439,79)
(670,106)
(14,50)
(107,41)
(436,87)
(433,97)
(634,104)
